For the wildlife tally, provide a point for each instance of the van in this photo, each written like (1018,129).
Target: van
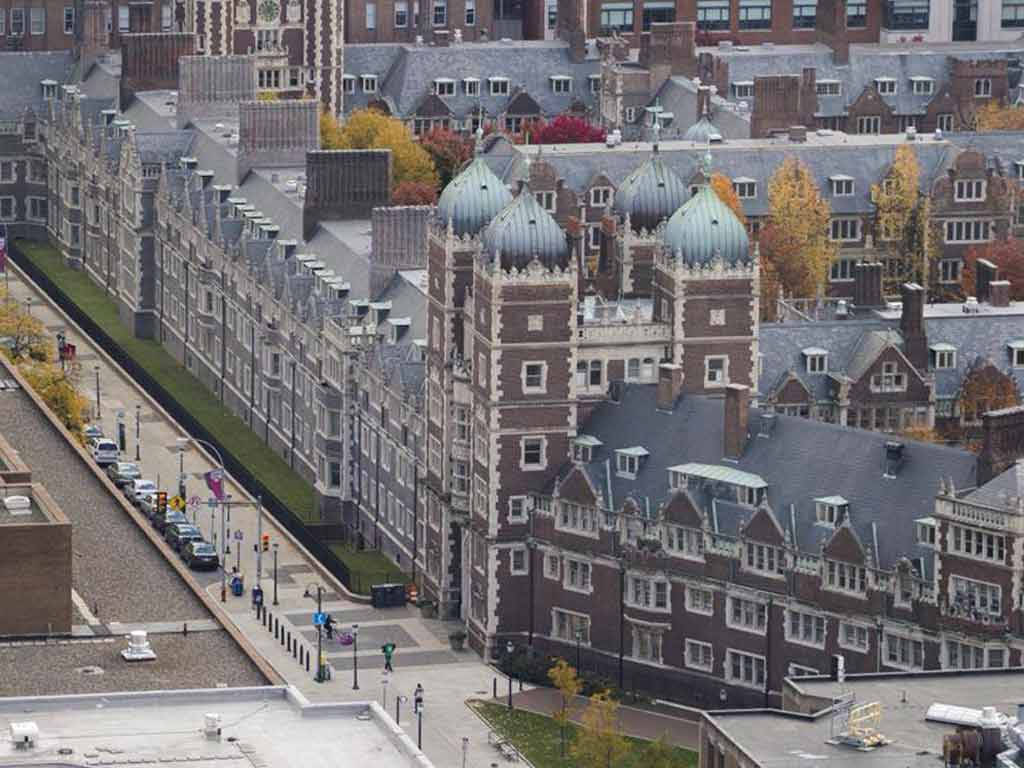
(104,451)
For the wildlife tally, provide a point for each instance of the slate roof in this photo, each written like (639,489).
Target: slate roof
(405,74)
(23,72)
(801,461)
(1001,489)
(1002,149)
(165,147)
(865,159)
(867,63)
(678,95)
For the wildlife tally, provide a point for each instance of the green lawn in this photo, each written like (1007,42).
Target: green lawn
(231,431)
(368,567)
(538,738)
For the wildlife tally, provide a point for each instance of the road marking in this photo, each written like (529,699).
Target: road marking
(83,608)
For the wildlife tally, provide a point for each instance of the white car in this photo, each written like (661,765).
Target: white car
(137,489)
(104,451)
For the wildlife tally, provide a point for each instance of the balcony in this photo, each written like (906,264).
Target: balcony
(906,14)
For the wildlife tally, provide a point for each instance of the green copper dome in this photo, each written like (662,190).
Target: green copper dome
(472,199)
(650,194)
(703,131)
(524,231)
(705,227)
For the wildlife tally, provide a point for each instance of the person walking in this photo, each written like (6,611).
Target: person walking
(329,626)
(388,649)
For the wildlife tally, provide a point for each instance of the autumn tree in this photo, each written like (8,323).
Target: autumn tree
(24,334)
(794,243)
(564,678)
(600,743)
(267,96)
(448,150)
(567,129)
(902,221)
(58,389)
(725,190)
(658,754)
(986,388)
(414,193)
(1007,255)
(994,116)
(371,129)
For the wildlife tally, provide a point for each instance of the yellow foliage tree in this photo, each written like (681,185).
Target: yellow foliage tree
(58,390)
(600,743)
(658,754)
(986,388)
(999,117)
(795,245)
(267,96)
(371,129)
(902,223)
(564,678)
(23,335)
(723,187)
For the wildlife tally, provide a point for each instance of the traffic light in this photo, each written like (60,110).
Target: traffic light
(161,501)
(265,542)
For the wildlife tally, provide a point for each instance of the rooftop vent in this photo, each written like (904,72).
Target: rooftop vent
(971,306)
(138,647)
(211,726)
(911,133)
(18,505)
(842,309)
(24,735)
(895,455)
(768,423)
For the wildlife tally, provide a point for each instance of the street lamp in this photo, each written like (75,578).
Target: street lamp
(319,627)
(399,701)
(275,573)
(509,649)
(99,410)
(138,441)
(182,442)
(417,703)
(465,749)
(355,657)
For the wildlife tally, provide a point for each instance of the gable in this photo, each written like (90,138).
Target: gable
(870,103)
(763,526)
(844,545)
(433,106)
(524,104)
(576,487)
(681,510)
(791,390)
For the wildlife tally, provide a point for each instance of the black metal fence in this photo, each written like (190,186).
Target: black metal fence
(295,525)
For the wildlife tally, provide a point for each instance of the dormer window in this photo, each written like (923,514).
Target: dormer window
(348,83)
(561,83)
(471,86)
(923,86)
(499,86)
(546,199)
(970,190)
(943,356)
(982,88)
(889,380)
(817,359)
(444,86)
(925,531)
(1016,347)
(49,89)
(629,460)
(583,448)
(595,83)
(600,196)
(828,87)
(842,186)
(886,86)
(743,89)
(369,83)
(831,510)
(746,189)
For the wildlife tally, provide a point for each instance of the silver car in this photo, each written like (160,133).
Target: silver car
(137,489)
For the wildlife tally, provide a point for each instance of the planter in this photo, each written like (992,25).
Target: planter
(457,640)
(428,610)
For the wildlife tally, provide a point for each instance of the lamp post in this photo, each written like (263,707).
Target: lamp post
(417,703)
(399,701)
(99,410)
(355,657)
(181,473)
(138,440)
(384,691)
(182,442)
(465,749)
(275,573)
(509,649)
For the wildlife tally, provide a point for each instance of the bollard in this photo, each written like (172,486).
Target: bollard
(307,661)
(289,640)
(520,685)
(494,688)
(264,618)
(295,651)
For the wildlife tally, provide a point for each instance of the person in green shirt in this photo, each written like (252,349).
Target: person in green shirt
(388,649)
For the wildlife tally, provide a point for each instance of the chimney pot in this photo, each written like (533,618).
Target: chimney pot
(999,293)
(670,385)
(737,414)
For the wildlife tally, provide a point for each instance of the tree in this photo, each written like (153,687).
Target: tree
(448,150)
(723,187)
(795,241)
(1007,255)
(58,390)
(414,193)
(25,336)
(330,130)
(902,220)
(659,754)
(567,129)
(371,129)
(267,96)
(986,388)
(564,678)
(600,743)
(998,117)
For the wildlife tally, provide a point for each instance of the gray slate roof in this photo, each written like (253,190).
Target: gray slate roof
(23,72)
(405,74)
(1001,489)
(678,95)
(802,460)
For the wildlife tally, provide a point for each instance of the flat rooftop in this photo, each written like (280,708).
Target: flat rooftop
(271,727)
(956,309)
(32,514)
(776,739)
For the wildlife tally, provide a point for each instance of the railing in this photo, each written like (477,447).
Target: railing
(626,332)
(142,377)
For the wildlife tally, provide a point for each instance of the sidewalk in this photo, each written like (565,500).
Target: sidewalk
(422,657)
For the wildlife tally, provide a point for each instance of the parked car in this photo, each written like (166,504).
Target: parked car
(147,503)
(180,534)
(200,555)
(104,451)
(169,517)
(123,472)
(92,431)
(137,488)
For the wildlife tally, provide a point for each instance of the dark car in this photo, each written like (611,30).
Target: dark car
(168,517)
(200,555)
(92,431)
(180,534)
(123,472)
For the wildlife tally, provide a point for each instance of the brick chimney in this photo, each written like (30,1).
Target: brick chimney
(570,27)
(737,413)
(867,284)
(915,341)
(149,62)
(211,88)
(830,29)
(95,39)
(670,49)
(999,293)
(1002,443)
(276,134)
(984,273)
(344,184)
(670,385)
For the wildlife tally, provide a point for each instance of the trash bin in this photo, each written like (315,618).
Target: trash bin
(257,596)
(237,587)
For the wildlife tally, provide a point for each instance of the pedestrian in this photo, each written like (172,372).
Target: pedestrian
(388,649)
(329,626)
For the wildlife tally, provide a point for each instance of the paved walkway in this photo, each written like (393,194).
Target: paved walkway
(423,656)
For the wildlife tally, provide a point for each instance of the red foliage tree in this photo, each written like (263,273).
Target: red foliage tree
(448,150)
(1007,255)
(566,129)
(414,193)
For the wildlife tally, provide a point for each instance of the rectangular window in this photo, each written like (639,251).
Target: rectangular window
(755,14)
(982,88)
(949,271)
(444,87)
(37,21)
(470,13)
(7,171)
(805,628)
(517,508)
(712,15)
(765,559)
(977,544)
(570,626)
(369,83)
(552,566)
(972,598)
(923,86)
(686,542)
(647,644)
(371,16)
(1013,14)
(845,577)
(944,122)
(401,13)
(518,564)
(716,371)
(700,655)
(968,231)
(499,86)
(844,230)
(18,22)
(561,84)
(869,124)
(69,20)
(903,652)
(576,518)
(969,190)
(886,86)
(748,615)
(804,13)
(650,594)
(534,377)
(577,575)
(123,18)
(856,13)
(532,456)
(699,600)
(616,17)
(745,190)
(853,637)
(746,669)
(471,86)
(743,90)
(6,209)
(842,186)
(828,87)
(3,21)
(440,13)
(165,18)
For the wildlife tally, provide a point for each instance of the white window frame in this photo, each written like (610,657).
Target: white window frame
(746,189)
(839,575)
(754,610)
(696,601)
(368,83)
(844,631)
(573,621)
(546,199)
(869,124)
(988,596)
(969,190)
(705,653)
(886,86)
(582,566)
(810,623)
(842,186)
(542,465)
(539,388)
(600,196)
(923,86)
(499,86)
(525,567)
(906,658)
(817,363)
(649,586)
(552,566)
(714,383)
(839,229)
(983,88)
(758,669)
(69,19)
(944,122)
(514,503)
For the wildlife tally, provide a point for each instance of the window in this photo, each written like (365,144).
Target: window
(567,625)
(629,114)
(37,208)
(944,122)
(7,171)
(69,20)
(923,86)
(699,656)
(743,90)
(268,78)
(600,196)
(891,379)
(699,600)
(647,643)
(817,363)
(577,575)
(748,615)
(576,518)
(853,637)
(552,566)
(857,13)
(595,83)
(764,558)
(943,357)
(401,13)
(267,39)
(369,83)
(6,209)
(518,564)
(651,594)
(903,652)
(349,83)
(561,84)
(18,21)
(869,124)
(949,271)
(886,86)
(831,510)
(805,628)
(471,86)
(371,16)
(804,13)
(755,14)
(845,230)
(444,87)
(470,13)
(3,21)
(982,88)
(745,188)
(828,87)
(166,18)
(968,231)
(535,377)
(712,14)
(532,449)
(842,186)
(716,371)
(687,542)
(1013,14)
(746,669)
(546,200)
(616,17)
(499,86)
(961,655)
(977,544)
(845,577)
(517,508)
(969,190)
(37,20)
